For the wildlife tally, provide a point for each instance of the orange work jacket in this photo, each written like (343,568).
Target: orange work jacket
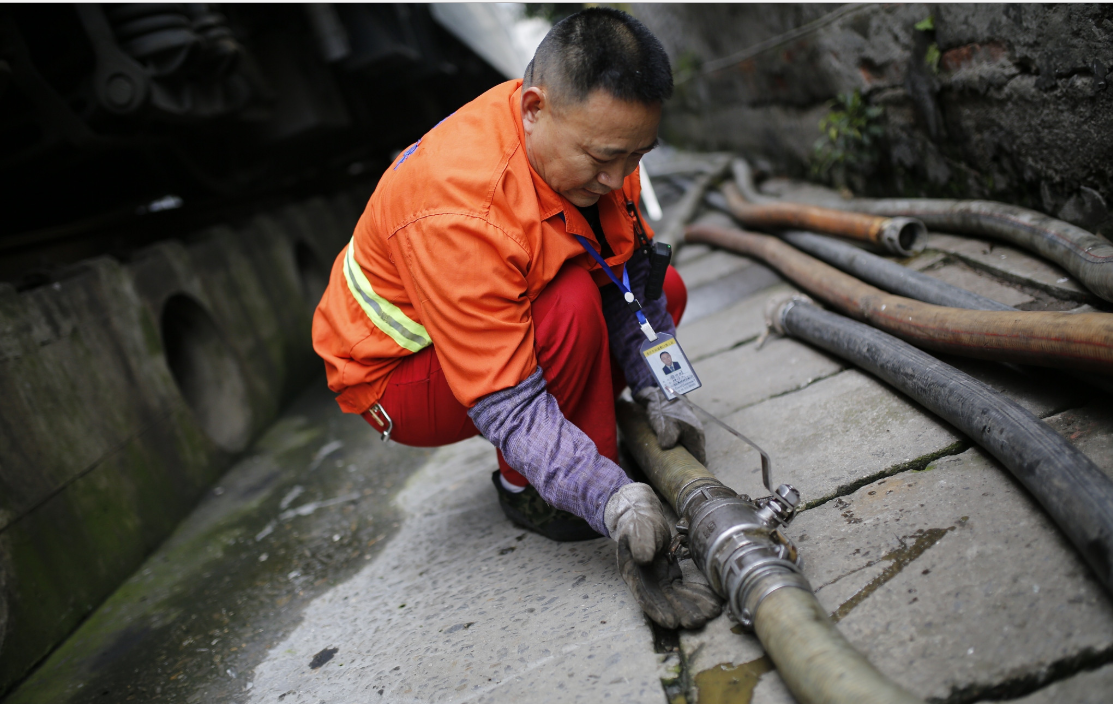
(458,239)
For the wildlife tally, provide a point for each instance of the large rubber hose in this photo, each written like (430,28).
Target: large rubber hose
(888,275)
(673,472)
(903,236)
(1043,338)
(1072,489)
(820,665)
(815,661)
(903,281)
(1088,257)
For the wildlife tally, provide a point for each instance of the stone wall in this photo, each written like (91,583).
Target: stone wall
(1004,101)
(128,387)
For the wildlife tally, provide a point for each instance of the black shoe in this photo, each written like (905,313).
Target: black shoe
(530,511)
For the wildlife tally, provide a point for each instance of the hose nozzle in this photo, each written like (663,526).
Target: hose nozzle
(903,236)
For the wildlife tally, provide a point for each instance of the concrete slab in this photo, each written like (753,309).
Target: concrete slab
(714,265)
(464,606)
(829,438)
(965,277)
(995,592)
(690,252)
(951,580)
(1085,688)
(921,261)
(744,375)
(1010,263)
(729,327)
(723,293)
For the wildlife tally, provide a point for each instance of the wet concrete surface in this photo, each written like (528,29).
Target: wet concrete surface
(308,505)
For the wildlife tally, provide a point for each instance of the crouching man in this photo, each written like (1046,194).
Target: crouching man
(472,299)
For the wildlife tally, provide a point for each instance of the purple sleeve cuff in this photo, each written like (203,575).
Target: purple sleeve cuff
(555,456)
(622,327)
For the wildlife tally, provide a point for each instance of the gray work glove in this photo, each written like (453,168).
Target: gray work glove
(636,521)
(672,421)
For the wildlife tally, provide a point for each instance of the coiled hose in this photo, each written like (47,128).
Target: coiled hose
(815,661)
(1088,257)
(1043,338)
(1072,489)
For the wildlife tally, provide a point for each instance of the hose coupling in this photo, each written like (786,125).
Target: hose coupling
(777,308)
(737,542)
(903,236)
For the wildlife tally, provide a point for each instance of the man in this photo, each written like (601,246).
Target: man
(670,366)
(465,303)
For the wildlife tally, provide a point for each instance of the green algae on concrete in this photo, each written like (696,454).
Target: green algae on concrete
(192,622)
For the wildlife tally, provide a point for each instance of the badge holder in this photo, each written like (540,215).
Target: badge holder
(670,366)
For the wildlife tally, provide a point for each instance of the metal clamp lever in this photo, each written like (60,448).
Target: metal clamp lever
(766,461)
(374,412)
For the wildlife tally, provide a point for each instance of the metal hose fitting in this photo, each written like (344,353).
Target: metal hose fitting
(738,544)
(903,236)
(735,540)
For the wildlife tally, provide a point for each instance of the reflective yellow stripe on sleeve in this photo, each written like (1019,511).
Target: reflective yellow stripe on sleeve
(385,315)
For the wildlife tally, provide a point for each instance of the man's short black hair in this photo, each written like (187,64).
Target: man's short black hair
(601,47)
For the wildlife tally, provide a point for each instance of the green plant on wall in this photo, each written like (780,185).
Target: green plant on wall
(932,55)
(851,132)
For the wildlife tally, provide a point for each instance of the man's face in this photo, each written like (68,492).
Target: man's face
(585,150)
(666,358)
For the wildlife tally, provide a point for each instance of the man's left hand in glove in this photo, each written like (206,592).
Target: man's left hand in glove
(636,520)
(673,421)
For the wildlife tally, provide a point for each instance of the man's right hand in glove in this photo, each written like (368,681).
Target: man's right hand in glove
(636,520)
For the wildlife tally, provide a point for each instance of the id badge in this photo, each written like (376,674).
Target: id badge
(670,367)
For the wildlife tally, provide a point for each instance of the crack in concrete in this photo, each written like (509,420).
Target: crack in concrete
(740,343)
(1022,685)
(917,464)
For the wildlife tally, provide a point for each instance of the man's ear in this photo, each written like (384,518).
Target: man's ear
(534,102)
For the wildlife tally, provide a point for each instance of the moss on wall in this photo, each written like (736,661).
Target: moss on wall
(102,453)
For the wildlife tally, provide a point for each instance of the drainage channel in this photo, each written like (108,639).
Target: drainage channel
(308,505)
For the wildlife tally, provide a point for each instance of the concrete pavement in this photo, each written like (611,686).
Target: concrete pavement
(394,576)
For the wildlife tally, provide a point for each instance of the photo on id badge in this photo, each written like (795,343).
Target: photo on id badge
(669,365)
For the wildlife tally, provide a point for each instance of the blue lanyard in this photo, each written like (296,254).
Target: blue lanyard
(623,286)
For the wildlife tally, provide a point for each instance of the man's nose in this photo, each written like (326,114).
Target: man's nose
(612,176)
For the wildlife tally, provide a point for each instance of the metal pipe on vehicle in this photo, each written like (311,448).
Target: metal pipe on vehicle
(1044,338)
(1088,257)
(738,545)
(1076,494)
(900,235)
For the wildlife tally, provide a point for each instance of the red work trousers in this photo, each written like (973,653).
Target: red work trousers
(573,350)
